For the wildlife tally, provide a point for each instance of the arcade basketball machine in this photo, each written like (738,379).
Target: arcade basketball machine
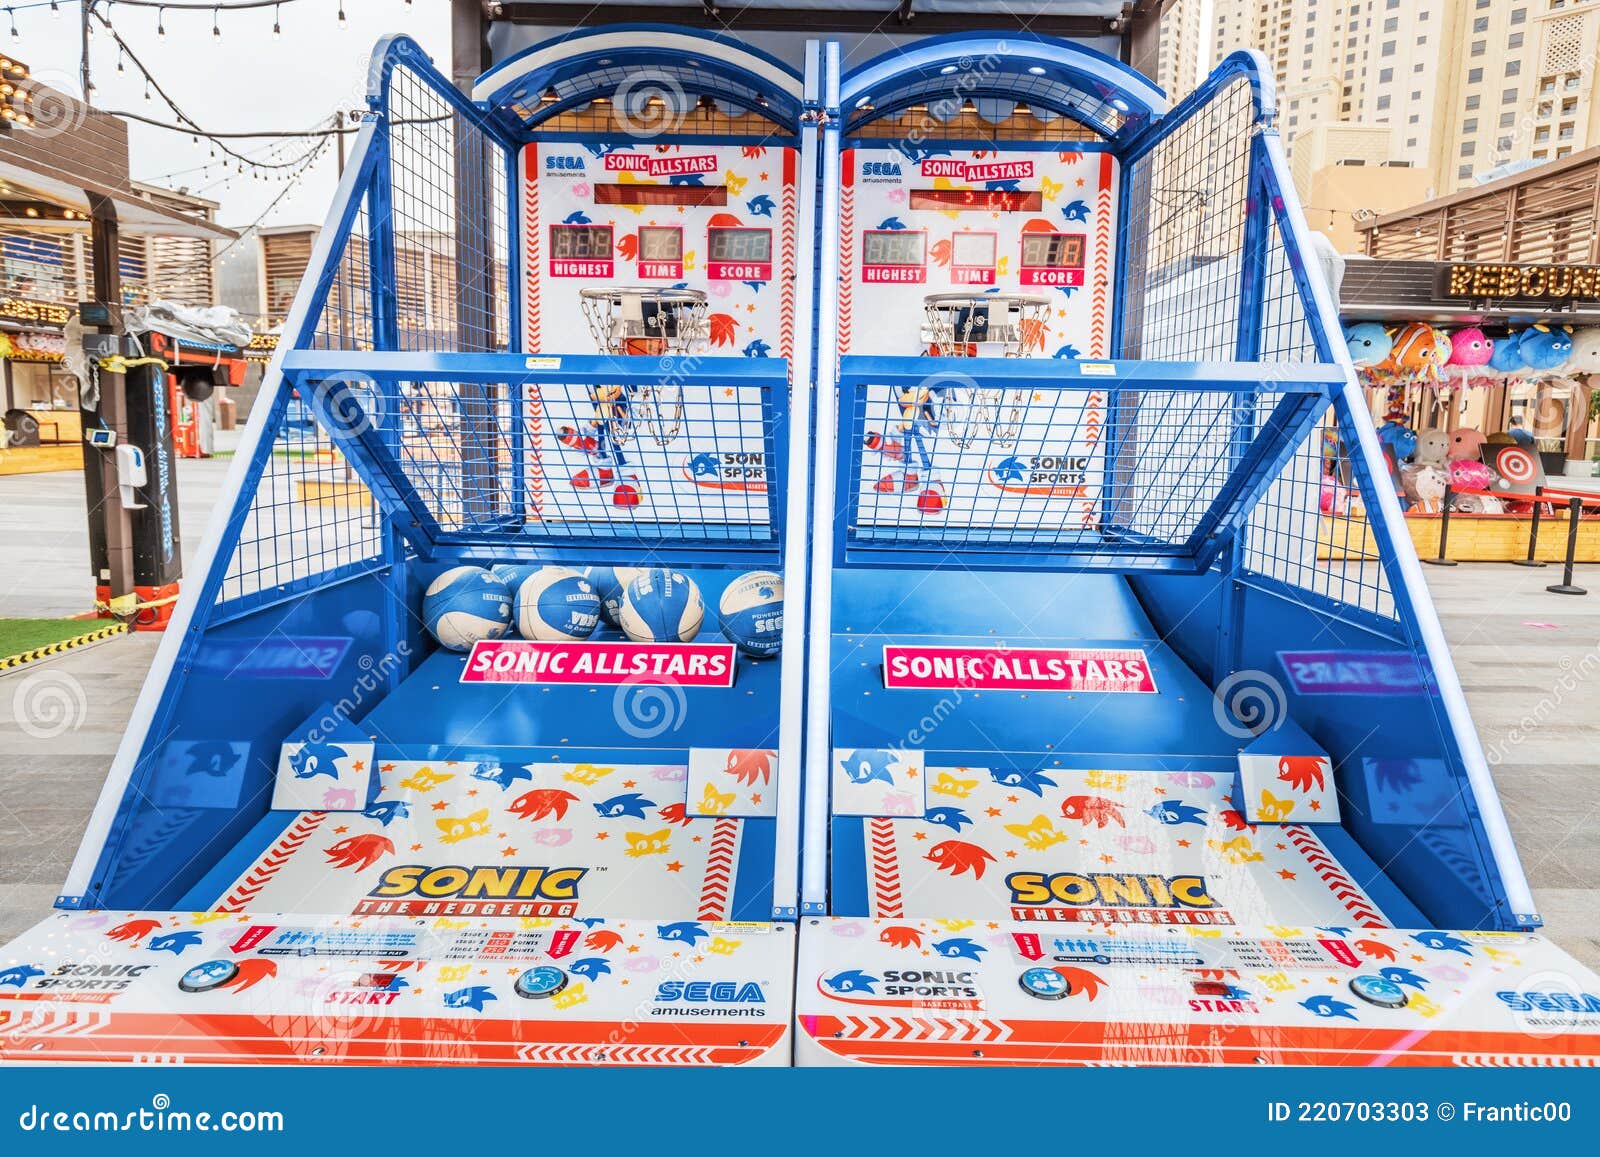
(1105,763)
(552,324)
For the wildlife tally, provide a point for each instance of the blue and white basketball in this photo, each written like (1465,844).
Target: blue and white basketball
(513,574)
(611,583)
(661,606)
(556,604)
(751,610)
(465,604)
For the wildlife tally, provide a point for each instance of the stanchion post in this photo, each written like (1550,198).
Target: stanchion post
(1533,536)
(1565,587)
(1444,530)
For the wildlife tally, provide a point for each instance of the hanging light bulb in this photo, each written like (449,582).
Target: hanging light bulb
(55,9)
(15,35)
(343,23)
(216,29)
(120,69)
(161,23)
(277,29)
(147,99)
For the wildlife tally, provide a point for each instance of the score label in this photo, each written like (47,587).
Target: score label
(738,254)
(1052,258)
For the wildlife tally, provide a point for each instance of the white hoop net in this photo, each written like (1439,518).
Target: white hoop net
(642,320)
(973,325)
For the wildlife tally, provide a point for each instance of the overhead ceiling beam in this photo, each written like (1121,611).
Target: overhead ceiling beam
(709,15)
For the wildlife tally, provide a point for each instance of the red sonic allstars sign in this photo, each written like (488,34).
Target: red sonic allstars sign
(915,667)
(589,664)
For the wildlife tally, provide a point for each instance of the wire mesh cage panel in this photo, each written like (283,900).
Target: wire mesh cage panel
(310,516)
(1185,234)
(1114,476)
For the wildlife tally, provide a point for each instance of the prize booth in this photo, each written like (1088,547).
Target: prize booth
(331,837)
(1106,765)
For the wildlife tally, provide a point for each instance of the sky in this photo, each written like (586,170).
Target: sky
(244,81)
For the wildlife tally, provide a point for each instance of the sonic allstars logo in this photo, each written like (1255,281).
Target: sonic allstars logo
(1105,898)
(1041,476)
(418,890)
(730,470)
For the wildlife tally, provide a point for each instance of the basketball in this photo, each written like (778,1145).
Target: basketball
(661,606)
(465,604)
(555,603)
(751,610)
(610,583)
(513,573)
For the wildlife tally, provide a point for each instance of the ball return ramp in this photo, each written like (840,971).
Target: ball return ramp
(552,323)
(1106,763)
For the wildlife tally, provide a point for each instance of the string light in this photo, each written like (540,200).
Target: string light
(277,31)
(343,23)
(11,12)
(55,9)
(161,23)
(216,29)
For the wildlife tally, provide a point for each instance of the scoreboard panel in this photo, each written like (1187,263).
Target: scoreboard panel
(614,211)
(1038,221)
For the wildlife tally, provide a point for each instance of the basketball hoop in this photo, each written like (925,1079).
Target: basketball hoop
(645,321)
(635,320)
(973,325)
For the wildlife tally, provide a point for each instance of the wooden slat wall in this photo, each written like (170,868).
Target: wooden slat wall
(1550,215)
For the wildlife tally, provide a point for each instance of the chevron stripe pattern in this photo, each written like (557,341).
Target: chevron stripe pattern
(847,247)
(1355,901)
(923,1028)
(618,1054)
(789,274)
(1092,421)
(716,890)
(260,874)
(533,419)
(1100,312)
(885,869)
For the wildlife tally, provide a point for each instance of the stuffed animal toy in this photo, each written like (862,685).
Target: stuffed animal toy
(1466,443)
(1585,351)
(1424,485)
(1470,474)
(1415,351)
(1506,357)
(1368,342)
(1545,347)
(1470,348)
(1400,438)
(1478,504)
(1433,448)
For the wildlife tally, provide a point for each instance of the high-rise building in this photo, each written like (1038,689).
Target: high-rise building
(1466,88)
(1181,47)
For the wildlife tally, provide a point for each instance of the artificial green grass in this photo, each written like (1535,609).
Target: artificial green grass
(19,635)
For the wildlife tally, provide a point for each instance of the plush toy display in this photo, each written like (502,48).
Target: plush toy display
(1466,443)
(1433,448)
(1585,357)
(1400,438)
(1470,474)
(1424,485)
(1545,347)
(1506,356)
(1369,343)
(1478,504)
(1470,348)
(1415,352)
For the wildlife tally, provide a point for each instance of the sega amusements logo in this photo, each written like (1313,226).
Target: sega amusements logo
(1551,1000)
(709,992)
(1107,898)
(730,470)
(880,170)
(419,890)
(557,163)
(1041,475)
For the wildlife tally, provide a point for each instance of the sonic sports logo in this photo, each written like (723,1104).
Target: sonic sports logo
(903,988)
(1106,898)
(1041,476)
(731,470)
(418,890)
